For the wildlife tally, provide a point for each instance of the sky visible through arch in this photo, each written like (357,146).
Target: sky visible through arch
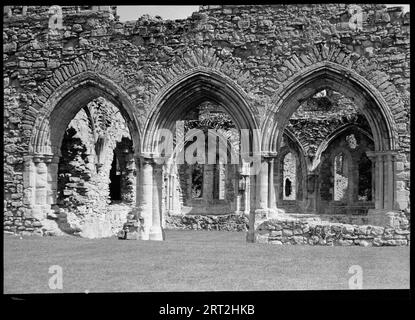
(130,13)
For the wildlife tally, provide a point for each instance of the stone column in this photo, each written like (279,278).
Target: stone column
(138,179)
(246,195)
(53,165)
(271,188)
(238,202)
(29,181)
(42,174)
(41,182)
(221,174)
(146,195)
(313,193)
(383,184)
(277,179)
(189,184)
(373,178)
(245,172)
(380,176)
(389,181)
(208,181)
(237,193)
(156,231)
(263,184)
(175,192)
(172,196)
(170,192)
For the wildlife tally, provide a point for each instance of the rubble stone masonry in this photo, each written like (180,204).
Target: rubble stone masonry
(259,50)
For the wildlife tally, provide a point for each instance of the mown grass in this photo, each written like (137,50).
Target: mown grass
(194,261)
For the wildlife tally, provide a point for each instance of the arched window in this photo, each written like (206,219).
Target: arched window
(365,178)
(289,177)
(341,180)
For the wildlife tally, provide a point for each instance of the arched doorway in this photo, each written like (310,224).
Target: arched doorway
(290,176)
(183,96)
(328,75)
(41,171)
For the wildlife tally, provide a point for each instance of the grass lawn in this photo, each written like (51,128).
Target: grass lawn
(194,260)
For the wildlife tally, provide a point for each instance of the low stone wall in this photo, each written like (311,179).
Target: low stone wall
(286,230)
(231,222)
(358,219)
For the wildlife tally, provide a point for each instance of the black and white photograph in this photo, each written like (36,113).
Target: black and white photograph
(206,148)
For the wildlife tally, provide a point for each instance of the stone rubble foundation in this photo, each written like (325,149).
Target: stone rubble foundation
(288,230)
(231,222)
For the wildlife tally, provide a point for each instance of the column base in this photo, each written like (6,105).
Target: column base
(143,236)
(156,234)
(250,237)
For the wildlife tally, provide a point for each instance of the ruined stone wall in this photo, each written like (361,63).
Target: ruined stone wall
(249,45)
(313,122)
(314,232)
(231,222)
(83,183)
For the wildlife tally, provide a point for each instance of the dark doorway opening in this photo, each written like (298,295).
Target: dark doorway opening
(365,178)
(115,181)
(288,187)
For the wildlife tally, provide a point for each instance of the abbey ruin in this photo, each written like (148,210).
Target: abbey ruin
(317,96)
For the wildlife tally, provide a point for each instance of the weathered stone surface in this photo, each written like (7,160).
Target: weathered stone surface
(259,57)
(342,234)
(199,222)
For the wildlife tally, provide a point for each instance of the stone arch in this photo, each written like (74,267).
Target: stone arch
(172,170)
(295,147)
(59,99)
(299,146)
(197,76)
(69,89)
(358,79)
(323,146)
(343,71)
(180,147)
(202,83)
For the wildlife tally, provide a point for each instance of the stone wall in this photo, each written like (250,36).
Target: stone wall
(256,48)
(314,122)
(316,232)
(232,222)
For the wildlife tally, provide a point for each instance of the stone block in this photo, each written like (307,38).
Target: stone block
(132,235)
(363,243)
(345,242)
(287,232)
